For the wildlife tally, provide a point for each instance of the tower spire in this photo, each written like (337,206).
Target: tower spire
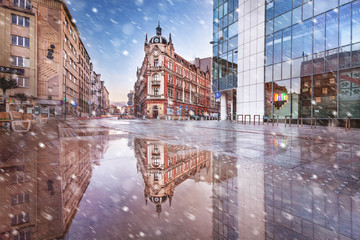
(158,30)
(170,39)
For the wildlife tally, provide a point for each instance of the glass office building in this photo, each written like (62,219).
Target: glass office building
(225,59)
(312,58)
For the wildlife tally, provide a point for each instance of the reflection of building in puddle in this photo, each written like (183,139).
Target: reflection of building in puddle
(40,189)
(304,205)
(165,166)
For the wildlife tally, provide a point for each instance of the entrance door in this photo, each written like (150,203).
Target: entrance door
(155,112)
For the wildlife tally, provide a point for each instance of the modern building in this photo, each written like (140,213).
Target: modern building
(169,85)
(225,55)
(41,49)
(298,58)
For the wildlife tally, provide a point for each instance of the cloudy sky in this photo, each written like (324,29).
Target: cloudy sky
(114,33)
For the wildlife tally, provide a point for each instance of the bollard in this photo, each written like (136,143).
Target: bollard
(302,122)
(247,115)
(258,116)
(330,120)
(277,123)
(242,118)
(315,123)
(273,120)
(347,124)
(297,122)
(311,122)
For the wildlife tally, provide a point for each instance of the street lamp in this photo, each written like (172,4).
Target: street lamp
(218,74)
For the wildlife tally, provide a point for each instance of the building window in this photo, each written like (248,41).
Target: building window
(170,65)
(156,177)
(23,4)
(156,77)
(156,91)
(20,198)
(20,61)
(22,82)
(21,21)
(20,41)
(20,219)
(170,174)
(71,31)
(23,235)
(66,23)
(156,62)
(170,93)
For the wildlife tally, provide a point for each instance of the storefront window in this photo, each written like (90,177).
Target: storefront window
(349,94)
(325,93)
(281,98)
(305,97)
(268,99)
(295,95)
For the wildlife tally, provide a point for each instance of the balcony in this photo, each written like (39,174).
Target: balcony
(155,82)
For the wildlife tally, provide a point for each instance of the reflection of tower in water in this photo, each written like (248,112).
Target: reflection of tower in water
(165,166)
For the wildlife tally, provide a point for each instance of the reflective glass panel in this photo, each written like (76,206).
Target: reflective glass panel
(305,97)
(296,3)
(297,15)
(277,47)
(270,11)
(344,56)
(321,6)
(332,29)
(282,6)
(345,25)
(319,33)
(302,39)
(281,98)
(307,10)
(269,27)
(286,44)
(325,93)
(268,74)
(269,49)
(349,94)
(295,95)
(282,21)
(356,21)
(268,100)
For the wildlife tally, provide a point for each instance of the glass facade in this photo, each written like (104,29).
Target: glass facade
(225,59)
(312,58)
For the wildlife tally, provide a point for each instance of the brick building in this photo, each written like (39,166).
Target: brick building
(169,85)
(40,42)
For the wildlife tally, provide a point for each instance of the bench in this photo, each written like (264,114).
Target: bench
(18,124)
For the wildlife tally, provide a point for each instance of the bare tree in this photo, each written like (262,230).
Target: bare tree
(6,84)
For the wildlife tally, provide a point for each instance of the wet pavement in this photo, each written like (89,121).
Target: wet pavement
(150,179)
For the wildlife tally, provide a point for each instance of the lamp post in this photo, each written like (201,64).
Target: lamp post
(218,74)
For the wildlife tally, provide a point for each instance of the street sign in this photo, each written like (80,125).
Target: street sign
(129,103)
(218,94)
(186,107)
(180,106)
